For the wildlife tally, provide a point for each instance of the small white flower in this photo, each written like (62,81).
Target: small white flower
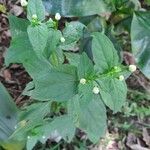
(82,81)
(57,16)
(15,127)
(95,90)
(24,3)
(28,137)
(62,39)
(43,137)
(132,68)
(121,77)
(34,17)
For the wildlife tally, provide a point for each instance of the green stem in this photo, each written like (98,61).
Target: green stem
(56,25)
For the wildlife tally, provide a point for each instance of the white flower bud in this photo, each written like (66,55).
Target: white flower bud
(50,19)
(57,16)
(62,39)
(43,137)
(24,3)
(34,17)
(95,90)
(115,67)
(121,77)
(132,68)
(82,81)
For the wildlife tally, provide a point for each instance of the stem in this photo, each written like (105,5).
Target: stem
(56,25)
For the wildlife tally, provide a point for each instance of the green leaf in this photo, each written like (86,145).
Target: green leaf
(104,54)
(8,121)
(31,143)
(13,145)
(85,67)
(36,111)
(20,50)
(63,125)
(26,128)
(110,33)
(38,36)
(113,93)
(32,114)
(17,25)
(8,114)
(140,35)
(72,33)
(35,7)
(89,115)
(28,87)
(60,127)
(53,52)
(53,42)
(73,58)
(85,90)
(57,57)
(43,77)
(86,44)
(57,84)
(71,8)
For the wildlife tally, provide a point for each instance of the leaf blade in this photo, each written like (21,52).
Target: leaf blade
(38,36)
(36,7)
(113,93)
(89,115)
(104,53)
(140,34)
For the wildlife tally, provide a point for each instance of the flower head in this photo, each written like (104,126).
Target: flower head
(34,17)
(95,90)
(57,16)
(82,81)
(132,68)
(62,39)
(24,3)
(121,77)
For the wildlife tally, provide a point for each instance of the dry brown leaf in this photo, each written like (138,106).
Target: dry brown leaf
(134,143)
(137,147)
(7,75)
(17,10)
(146,137)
